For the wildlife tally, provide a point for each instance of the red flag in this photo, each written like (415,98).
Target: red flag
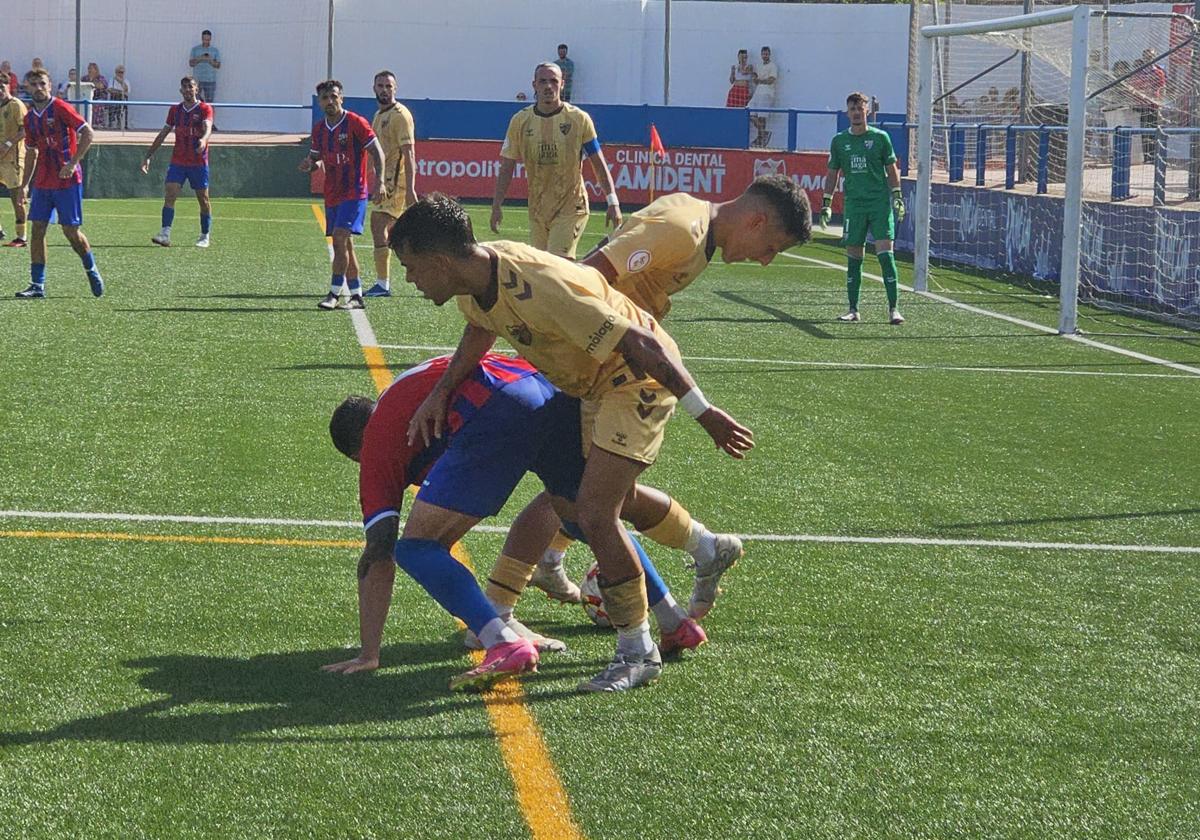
(656,144)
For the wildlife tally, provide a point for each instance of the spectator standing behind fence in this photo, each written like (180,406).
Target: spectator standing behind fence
(205,62)
(66,90)
(99,93)
(1150,84)
(741,76)
(765,78)
(567,66)
(118,91)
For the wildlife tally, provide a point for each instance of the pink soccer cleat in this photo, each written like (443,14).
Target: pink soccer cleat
(502,661)
(689,635)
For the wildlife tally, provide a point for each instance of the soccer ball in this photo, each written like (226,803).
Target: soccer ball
(590,597)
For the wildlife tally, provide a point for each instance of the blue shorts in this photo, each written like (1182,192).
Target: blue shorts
(348,214)
(195,176)
(526,426)
(67,201)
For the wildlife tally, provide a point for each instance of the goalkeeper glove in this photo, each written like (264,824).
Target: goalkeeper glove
(898,205)
(826,211)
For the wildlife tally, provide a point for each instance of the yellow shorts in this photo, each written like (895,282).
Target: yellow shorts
(11,171)
(629,421)
(394,205)
(561,234)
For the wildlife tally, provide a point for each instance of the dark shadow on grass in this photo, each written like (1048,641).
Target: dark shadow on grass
(247,296)
(777,315)
(282,691)
(223,310)
(1096,517)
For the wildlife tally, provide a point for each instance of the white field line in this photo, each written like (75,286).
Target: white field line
(1034,545)
(1142,357)
(362,327)
(429,348)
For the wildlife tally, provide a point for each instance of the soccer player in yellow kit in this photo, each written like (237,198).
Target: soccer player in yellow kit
(12,161)
(590,341)
(551,137)
(658,251)
(393,126)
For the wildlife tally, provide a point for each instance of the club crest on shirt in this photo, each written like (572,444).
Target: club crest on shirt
(565,128)
(520,333)
(638,260)
(868,143)
(342,138)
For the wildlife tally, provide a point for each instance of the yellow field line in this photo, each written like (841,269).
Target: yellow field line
(540,793)
(179,538)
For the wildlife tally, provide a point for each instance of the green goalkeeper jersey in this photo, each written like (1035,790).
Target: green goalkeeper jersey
(862,159)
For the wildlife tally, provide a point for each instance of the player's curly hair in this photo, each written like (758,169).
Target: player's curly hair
(435,224)
(789,202)
(329,84)
(348,422)
(37,73)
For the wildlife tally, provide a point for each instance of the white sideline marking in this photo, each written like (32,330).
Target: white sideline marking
(1142,357)
(503,529)
(362,328)
(868,365)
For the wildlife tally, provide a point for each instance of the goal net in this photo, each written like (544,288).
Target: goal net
(1058,151)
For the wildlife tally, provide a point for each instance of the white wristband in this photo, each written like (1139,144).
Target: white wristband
(611,198)
(694,403)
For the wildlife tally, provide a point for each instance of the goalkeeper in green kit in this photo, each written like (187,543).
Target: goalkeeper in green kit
(873,201)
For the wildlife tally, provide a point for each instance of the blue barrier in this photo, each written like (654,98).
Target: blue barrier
(958,152)
(1122,142)
(1043,160)
(1010,157)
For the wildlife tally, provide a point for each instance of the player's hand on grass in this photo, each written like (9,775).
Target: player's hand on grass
(429,419)
(898,205)
(497,217)
(352,666)
(729,435)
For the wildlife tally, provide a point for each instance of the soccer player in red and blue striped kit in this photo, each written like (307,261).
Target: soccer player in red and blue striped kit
(192,122)
(503,420)
(341,142)
(56,139)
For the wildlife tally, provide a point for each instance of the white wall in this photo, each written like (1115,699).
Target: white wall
(274,50)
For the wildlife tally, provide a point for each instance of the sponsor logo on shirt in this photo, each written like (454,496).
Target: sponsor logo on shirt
(638,260)
(595,338)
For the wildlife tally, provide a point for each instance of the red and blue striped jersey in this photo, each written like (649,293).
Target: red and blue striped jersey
(387,462)
(54,132)
(342,148)
(188,124)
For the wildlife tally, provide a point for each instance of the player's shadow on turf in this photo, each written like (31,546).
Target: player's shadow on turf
(1095,517)
(777,316)
(246,297)
(224,310)
(275,691)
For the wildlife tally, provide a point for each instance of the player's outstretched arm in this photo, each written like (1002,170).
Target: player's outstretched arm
(429,420)
(645,354)
(154,144)
(376,575)
(604,178)
(503,178)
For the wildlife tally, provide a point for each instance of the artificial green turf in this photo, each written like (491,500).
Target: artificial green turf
(849,690)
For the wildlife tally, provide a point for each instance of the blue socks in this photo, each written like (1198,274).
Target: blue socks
(168,216)
(656,590)
(355,286)
(335,284)
(37,274)
(89,262)
(205,223)
(446,580)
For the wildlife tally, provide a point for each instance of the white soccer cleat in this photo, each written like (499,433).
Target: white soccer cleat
(163,238)
(544,644)
(852,315)
(555,583)
(626,672)
(708,574)
(330,301)
(894,317)
(202,242)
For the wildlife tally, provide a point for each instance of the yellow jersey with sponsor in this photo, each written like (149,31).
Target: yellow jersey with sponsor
(394,129)
(660,249)
(561,316)
(12,122)
(551,146)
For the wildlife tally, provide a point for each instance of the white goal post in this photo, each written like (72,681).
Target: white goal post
(1078,18)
